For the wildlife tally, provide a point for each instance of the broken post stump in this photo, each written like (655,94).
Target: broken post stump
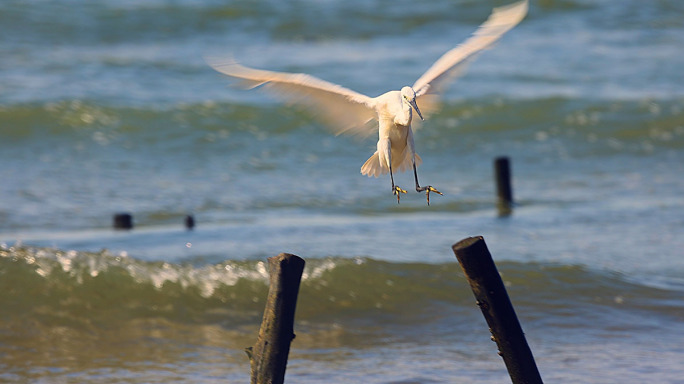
(268,357)
(504,191)
(123,220)
(492,298)
(189,222)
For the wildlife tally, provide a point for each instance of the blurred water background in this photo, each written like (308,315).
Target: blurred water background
(108,106)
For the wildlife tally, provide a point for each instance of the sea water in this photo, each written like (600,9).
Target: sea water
(110,107)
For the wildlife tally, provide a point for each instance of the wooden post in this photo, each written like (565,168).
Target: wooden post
(492,298)
(268,357)
(504,191)
(189,222)
(123,221)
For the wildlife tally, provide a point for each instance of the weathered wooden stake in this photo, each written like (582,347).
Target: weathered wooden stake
(123,221)
(492,298)
(504,191)
(189,222)
(268,357)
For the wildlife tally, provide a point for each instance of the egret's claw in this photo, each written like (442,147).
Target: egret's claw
(396,191)
(431,189)
(427,190)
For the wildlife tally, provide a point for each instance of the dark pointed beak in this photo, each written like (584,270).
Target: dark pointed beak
(415,106)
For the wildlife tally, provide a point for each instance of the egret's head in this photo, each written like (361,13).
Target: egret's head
(409,96)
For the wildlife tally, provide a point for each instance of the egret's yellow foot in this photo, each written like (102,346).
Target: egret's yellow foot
(427,190)
(396,191)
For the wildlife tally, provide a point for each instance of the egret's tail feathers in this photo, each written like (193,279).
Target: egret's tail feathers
(373,167)
(405,162)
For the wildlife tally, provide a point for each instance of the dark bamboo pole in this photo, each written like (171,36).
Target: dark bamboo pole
(268,357)
(492,298)
(504,191)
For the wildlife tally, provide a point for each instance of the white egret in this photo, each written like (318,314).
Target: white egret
(347,111)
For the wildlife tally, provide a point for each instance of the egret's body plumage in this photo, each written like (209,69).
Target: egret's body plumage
(347,111)
(395,136)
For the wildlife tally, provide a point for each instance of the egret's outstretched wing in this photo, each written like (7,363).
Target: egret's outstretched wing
(344,110)
(453,62)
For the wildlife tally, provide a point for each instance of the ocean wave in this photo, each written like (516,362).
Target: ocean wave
(70,287)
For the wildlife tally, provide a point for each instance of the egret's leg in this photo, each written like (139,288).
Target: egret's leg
(385,154)
(396,190)
(427,189)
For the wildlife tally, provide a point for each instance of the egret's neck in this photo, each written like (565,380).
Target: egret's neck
(406,114)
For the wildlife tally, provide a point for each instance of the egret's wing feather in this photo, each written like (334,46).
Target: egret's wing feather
(344,110)
(452,63)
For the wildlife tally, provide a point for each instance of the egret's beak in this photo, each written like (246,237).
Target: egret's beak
(415,106)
